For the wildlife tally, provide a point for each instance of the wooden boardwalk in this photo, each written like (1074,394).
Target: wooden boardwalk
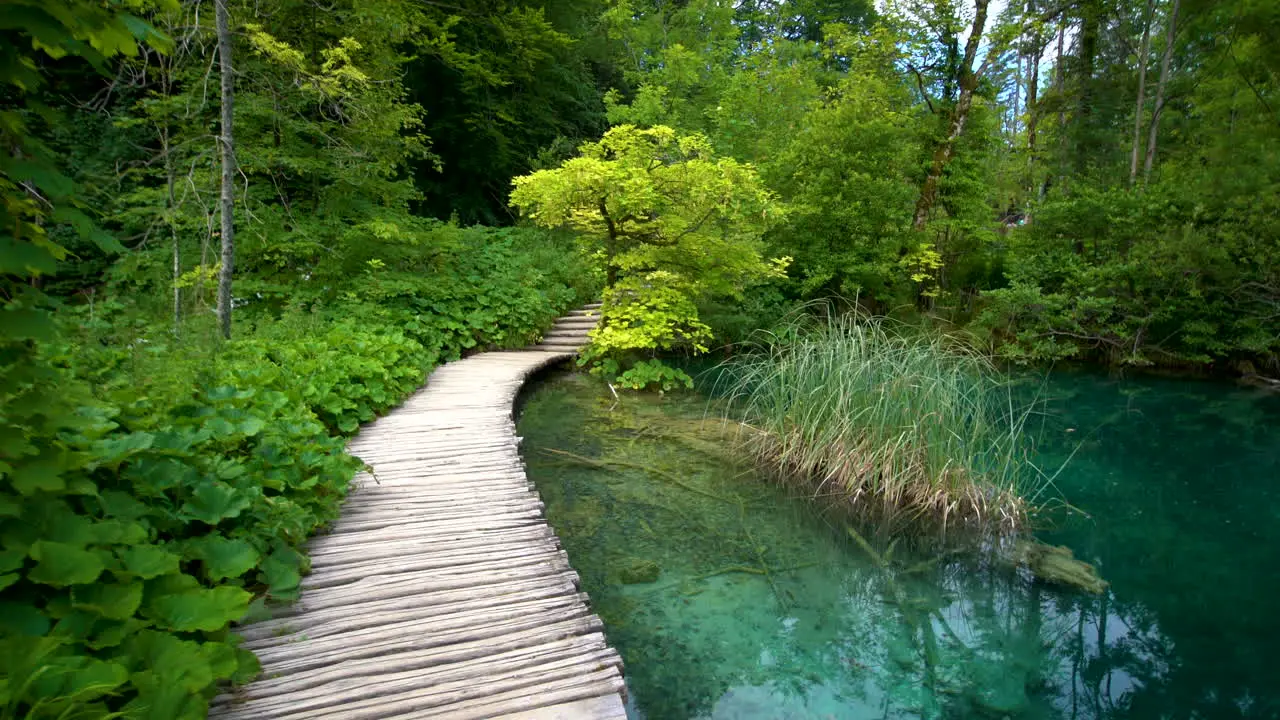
(441,592)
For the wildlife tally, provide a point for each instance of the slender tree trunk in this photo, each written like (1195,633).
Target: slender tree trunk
(1060,78)
(170,208)
(611,249)
(1033,96)
(1017,98)
(959,115)
(1060,85)
(170,203)
(1033,105)
(226,146)
(1090,31)
(1142,93)
(1158,110)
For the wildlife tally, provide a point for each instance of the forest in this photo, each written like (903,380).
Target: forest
(235,231)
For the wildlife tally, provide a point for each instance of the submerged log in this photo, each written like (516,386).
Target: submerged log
(1056,565)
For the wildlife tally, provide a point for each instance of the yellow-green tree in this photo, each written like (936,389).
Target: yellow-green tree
(672,224)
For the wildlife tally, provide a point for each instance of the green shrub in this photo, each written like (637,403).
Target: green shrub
(1139,279)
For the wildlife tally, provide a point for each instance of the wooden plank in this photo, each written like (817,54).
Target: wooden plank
(427,664)
(463,539)
(334,575)
(536,663)
(522,509)
(421,661)
(407,636)
(592,650)
(601,708)
(373,612)
(386,587)
(420,530)
(546,591)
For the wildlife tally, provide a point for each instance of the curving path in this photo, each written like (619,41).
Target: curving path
(441,592)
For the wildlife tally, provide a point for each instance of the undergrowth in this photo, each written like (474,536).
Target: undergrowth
(159,488)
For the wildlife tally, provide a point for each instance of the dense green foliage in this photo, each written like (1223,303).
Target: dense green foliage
(169,491)
(1103,197)
(1095,181)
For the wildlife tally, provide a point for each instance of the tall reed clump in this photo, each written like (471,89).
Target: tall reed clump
(910,429)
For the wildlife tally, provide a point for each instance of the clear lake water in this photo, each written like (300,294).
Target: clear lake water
(731,599)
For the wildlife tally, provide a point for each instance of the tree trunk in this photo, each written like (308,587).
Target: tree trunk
(1142,92)
(170,210)
(170,202)
(1170,35)
(226,147)
(1033,93)
(1060,79)
(1060,86)
(1090,29)
(959,115)
(611,249)
(1017,98)
(1033,103)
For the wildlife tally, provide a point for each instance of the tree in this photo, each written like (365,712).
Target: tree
(672,224)
(958,116)
(1171,35)
(226,152)
(1141,100)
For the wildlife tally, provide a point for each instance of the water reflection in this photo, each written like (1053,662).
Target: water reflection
(960,642)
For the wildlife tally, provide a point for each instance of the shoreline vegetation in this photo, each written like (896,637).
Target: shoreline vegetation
(913,434)
(910,431)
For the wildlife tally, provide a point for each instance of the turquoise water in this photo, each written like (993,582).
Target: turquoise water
(729,599)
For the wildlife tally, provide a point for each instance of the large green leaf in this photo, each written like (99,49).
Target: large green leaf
(207,610)
(282,571)
(148,561)
(116,601)
(27,324)
(43,473)
(114,450)
(79,679)
(224,557)
(61,564)
(213,501)
(19,618)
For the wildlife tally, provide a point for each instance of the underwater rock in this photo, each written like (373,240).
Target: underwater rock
(1056,564)
(633,571)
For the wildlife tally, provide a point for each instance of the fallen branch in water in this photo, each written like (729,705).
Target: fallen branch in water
(753,570)
(605,464)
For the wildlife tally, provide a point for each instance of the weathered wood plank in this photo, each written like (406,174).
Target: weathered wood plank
(373,612)
(308,654)
(535,593)
(603,708)
(335,575)
(430,664)
(462,539)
